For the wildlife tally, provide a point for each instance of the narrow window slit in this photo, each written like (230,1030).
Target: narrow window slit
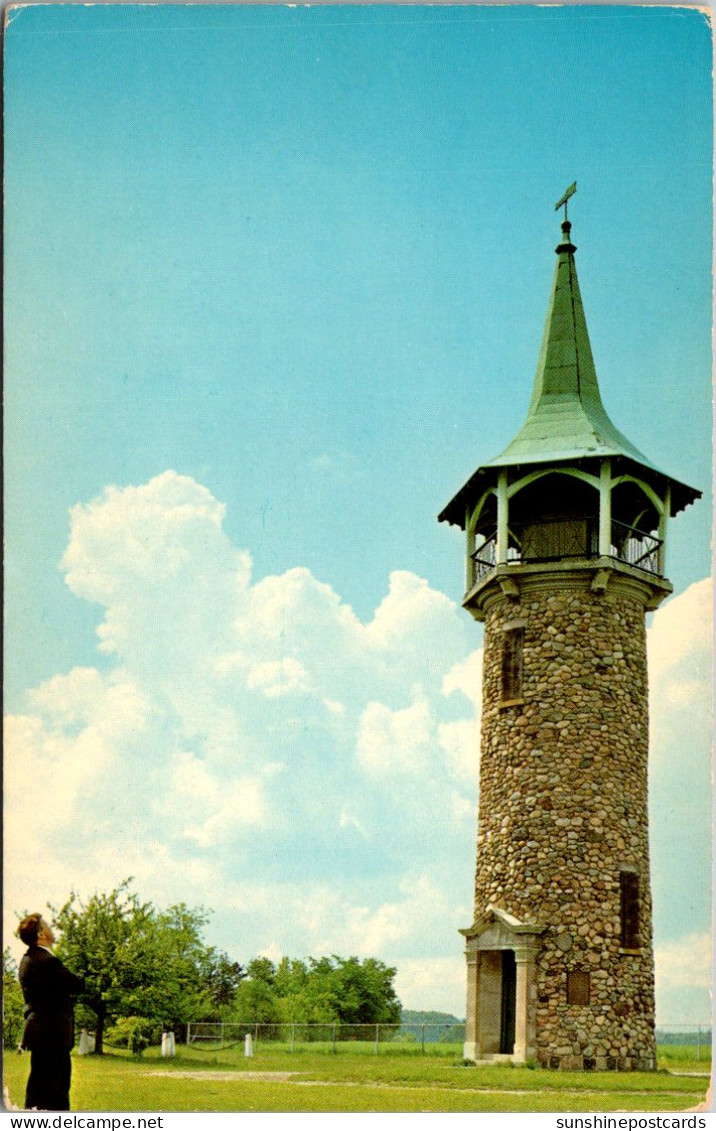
(512,648)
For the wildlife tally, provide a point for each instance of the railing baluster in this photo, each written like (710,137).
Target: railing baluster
(564,538)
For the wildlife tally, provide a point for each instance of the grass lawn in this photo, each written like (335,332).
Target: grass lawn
(199,1079)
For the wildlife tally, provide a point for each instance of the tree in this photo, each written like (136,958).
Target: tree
(256,998)
(176,990)
(367,989)
(222,978)
(362,990)
(262,970)
(302,998)
(291,976)
(102,942)
(12,1010)
(140,963)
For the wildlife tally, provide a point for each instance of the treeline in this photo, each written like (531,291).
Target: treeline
(429,1017)
(316,991)
(147,969)
(693,1036)
(434,1026)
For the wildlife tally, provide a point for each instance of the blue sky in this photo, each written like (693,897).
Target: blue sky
(276,282)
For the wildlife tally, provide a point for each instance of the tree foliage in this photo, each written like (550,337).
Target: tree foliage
(222,979)
(349,991)
(13,1020)
(141,963)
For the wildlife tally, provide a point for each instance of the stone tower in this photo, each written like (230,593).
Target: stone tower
(566,553)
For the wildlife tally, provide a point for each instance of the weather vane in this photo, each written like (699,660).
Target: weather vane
(563,199)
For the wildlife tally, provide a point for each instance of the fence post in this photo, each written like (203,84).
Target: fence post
(221,1035)
(188,1032)
(293,1035)
(333,1037)
(422,1038)
(376,1039)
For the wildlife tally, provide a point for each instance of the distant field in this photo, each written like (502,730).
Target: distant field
(685,1058)
(201,1079)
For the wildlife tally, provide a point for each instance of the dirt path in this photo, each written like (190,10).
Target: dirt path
(378,1084)
(198,1075)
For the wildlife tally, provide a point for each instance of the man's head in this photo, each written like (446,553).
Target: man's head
(34,931)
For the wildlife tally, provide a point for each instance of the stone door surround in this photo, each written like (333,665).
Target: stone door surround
(494,931)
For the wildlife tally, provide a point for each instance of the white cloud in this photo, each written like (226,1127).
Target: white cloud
(348,821)
(684,977)
(462,808)
(466,676)
(440,981)
(156,558)
(47,773)
(461,742)
(682,632)
(680,661)
(113,705)
(390,741)
(85,724)
(207,807)
(278,677)
(685,962)
(680,682)
(346,926)
(136,534)
(417,628)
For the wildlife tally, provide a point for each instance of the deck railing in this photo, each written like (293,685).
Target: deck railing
(560,539)
(635,547)
(484,559)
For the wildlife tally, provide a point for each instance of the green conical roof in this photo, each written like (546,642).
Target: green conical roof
(566,418)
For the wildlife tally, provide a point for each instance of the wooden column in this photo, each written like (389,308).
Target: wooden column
(470,564)
(502,515)
(663,526)
(605,508)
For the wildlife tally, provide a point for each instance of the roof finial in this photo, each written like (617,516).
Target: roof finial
(563,199)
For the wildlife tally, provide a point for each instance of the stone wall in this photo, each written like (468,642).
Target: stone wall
(563,809)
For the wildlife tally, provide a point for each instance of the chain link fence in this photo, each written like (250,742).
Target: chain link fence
(290,1036)
(696,1038)
(678,1041)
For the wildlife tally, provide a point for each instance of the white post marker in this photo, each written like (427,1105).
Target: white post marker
(248,1045)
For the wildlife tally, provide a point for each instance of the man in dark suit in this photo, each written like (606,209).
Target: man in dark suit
(48,988)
